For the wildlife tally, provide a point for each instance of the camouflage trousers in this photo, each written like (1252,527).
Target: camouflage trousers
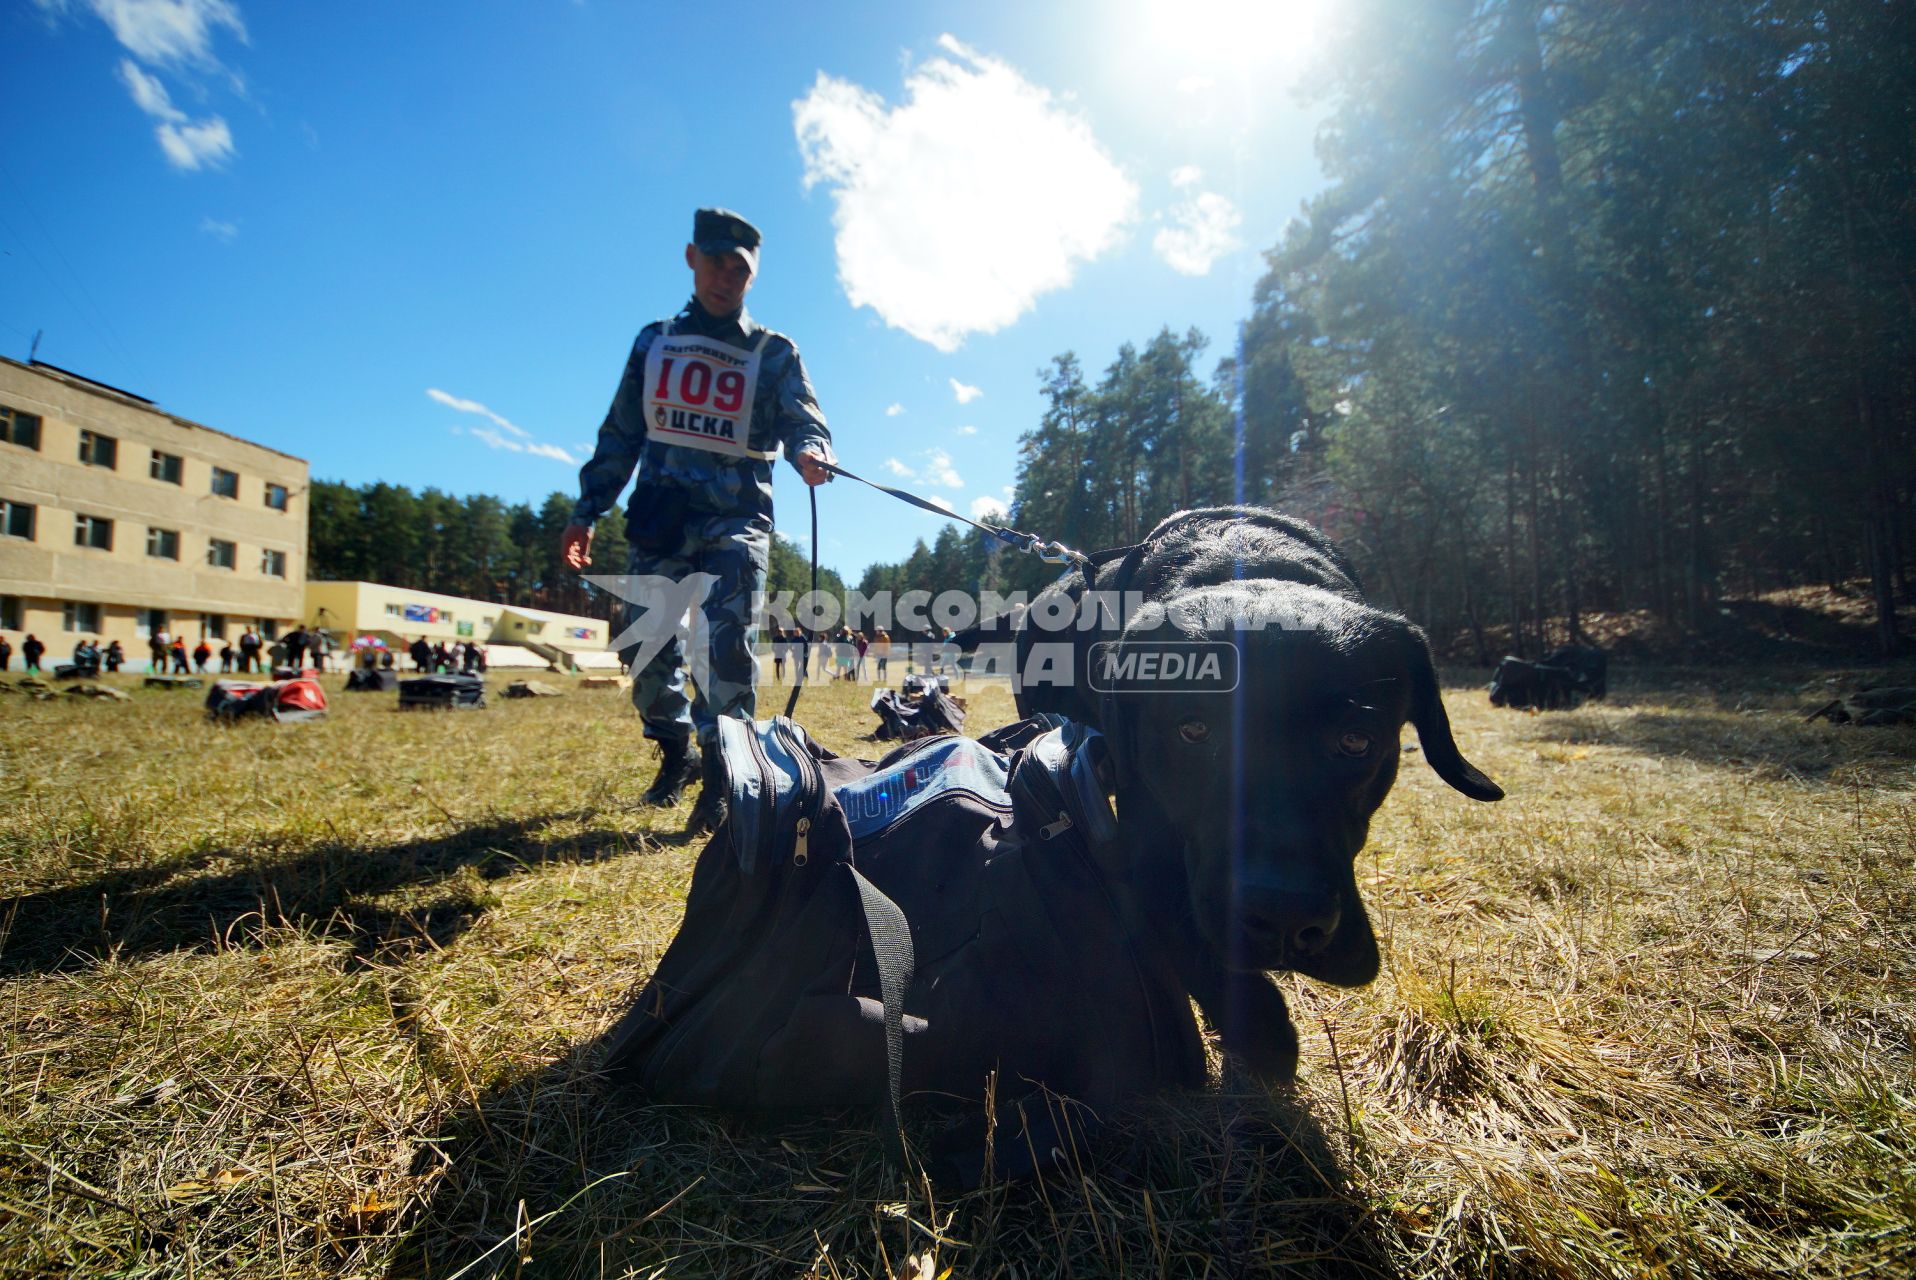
(735,552)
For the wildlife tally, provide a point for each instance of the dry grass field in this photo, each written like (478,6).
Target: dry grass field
(322,1000)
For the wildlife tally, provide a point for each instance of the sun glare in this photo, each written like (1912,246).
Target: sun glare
(1234,35)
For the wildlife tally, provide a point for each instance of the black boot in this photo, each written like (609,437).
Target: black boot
(709,814)
(678,765)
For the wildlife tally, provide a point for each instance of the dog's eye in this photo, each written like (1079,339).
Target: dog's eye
(1194,731)
(1353,743)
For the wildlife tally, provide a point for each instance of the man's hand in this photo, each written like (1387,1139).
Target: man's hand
(575,545)
(812,467)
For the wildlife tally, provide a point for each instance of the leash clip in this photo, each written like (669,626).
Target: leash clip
(1050,552)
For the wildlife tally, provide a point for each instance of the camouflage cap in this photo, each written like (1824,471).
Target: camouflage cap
(722,231)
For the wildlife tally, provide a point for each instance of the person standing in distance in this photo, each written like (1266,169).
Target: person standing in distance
(706,399)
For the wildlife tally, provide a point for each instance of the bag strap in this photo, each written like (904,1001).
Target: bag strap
(891,948)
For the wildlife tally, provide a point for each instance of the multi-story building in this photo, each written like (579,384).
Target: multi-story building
(118,519)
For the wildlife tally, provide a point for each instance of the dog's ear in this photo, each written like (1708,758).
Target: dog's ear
(1433,725)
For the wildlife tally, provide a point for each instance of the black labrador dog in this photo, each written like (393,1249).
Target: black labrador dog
(1245,784)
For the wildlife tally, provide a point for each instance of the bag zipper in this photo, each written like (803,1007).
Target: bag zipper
(811,786)
(767,787)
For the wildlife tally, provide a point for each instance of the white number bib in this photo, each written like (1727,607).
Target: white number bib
(699,392)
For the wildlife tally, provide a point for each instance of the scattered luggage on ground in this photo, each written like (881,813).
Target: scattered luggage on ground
(38,690)
(284,700)
(371,680)
(173,682)
(99,691)
(922,707)
(531,689)
(1532,686)
(448,691)
(1870,708)
(858,929)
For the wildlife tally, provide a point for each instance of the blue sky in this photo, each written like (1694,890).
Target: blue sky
(413,242)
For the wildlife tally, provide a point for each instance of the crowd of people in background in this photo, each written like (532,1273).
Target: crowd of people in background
(845,654)
(837,654)
(464,656)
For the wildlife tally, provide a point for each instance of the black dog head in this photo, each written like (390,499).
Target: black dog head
(1259,796)
(1268,787)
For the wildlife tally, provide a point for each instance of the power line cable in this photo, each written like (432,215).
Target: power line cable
(104,330)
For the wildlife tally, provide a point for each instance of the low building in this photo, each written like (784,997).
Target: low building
(119,520)
(399,615)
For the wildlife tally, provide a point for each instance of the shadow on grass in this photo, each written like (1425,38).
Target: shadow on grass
(1774,741)
(330,888)
(563,1174)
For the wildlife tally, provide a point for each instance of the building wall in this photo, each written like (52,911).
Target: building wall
(396,614)
(48,573)
(373,608)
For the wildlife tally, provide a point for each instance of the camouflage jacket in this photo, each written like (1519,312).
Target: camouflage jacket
(691,480)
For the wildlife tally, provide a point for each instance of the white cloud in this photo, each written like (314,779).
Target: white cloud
(937,501)
(963,393)
(957,209)
(1203,226)
(1196,84)
(519,441)
(987,506)
(967,431)
(177,35)
(149,95)
(495,440)
(187,145)
(219,230)
(166,31)
(939,471)
(893,410)
(195,146)
(473,406)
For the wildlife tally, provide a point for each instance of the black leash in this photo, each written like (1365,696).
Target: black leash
(1049,552)
(1052,552)
(804,644)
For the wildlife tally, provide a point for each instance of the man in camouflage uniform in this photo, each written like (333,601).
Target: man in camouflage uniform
(706,399)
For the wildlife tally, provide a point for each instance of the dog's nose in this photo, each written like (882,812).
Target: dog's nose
(1299,924)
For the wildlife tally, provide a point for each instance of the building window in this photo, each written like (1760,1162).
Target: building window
(92,531)
(163,544)
(10,614)
(276,496)
(272,563)
(225,483)
(222,554)
(213,626)
(97,450)
(148,623)
(267,628)
(394,611)
(16,520)
(168,467)
(80,617)
(19,428)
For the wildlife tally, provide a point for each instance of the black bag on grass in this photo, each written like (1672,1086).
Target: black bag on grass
(958,903)
(286,700)
(459,692)
(903,717)
(371,680)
